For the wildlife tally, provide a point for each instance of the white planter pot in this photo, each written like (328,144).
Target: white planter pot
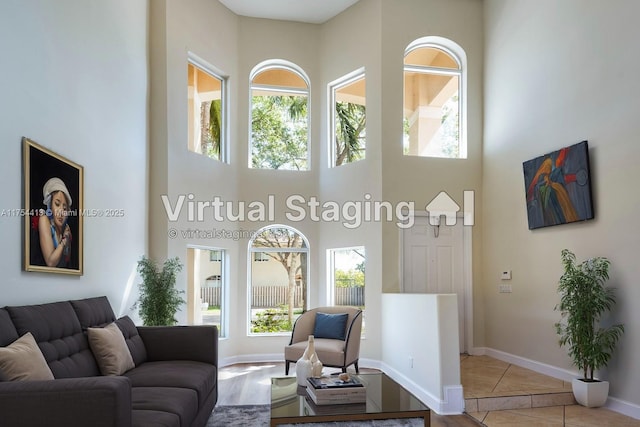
(590,394)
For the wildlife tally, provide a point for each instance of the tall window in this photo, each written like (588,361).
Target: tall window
(207,274)
(206,111)
(277,286)
(279,117)
(347,119)
(347,277)
(433,100)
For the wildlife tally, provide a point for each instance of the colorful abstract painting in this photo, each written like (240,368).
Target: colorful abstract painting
(558,187)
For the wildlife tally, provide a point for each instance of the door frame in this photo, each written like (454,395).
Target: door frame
(467,276)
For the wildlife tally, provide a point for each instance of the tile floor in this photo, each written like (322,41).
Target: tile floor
(500,394)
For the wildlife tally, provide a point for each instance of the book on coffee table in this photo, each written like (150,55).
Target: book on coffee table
(343,396)
(333,383)
(333,391)
(311,408)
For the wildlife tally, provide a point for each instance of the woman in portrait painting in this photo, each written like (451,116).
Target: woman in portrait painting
(53,230)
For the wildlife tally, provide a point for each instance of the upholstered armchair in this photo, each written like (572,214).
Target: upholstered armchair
(336,336)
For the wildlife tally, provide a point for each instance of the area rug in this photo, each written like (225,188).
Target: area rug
(258,416)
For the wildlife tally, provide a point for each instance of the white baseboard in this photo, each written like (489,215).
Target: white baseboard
(251,358)
(452,404)
(617,405)
(278,358)
(523,362)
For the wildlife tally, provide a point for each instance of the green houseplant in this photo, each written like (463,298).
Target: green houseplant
(584,298)
(159,299)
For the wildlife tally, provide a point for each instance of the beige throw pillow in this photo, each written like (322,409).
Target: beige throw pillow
(23,360)
(110,350)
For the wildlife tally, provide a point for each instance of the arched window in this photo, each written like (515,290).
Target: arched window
(279,117)
(278,270)
(434,99)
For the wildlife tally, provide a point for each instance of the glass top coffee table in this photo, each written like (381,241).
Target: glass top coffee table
(386,399)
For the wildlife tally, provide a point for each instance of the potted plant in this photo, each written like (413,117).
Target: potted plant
(159,299)
(584,298)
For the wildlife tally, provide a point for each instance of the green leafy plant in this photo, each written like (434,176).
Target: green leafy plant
(273,320)
(159,299)
(584,298)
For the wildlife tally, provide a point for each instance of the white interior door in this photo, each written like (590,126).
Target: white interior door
(433,263)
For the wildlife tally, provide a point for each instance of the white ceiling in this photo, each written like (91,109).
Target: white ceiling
(311,11)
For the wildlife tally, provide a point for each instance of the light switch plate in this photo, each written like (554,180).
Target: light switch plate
(506,275)
(504,289)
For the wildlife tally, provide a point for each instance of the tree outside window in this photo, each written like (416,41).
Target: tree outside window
(279,119)
(347,280)
(278,287)
(348,124)
(205,112)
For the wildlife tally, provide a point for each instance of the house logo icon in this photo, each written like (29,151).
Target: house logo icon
(444,205)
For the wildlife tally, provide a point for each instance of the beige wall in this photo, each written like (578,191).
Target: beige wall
(420,179)
(74,79)
(208,30)
(350,182)
(558,73)
(550,74)
(321,52)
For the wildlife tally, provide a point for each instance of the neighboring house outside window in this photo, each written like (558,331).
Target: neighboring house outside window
(208,271)
(278,288)
(434,92)
(279,117)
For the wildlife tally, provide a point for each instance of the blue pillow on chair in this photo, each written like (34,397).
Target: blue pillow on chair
(330,325)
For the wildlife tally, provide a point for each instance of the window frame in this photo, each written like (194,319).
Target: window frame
(459,56)
(332,88)
(278,64)
(251,250)
(214,72)
(331,269)
(223,331)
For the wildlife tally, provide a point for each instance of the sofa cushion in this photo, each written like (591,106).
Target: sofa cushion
(134,341)
(198,376)
(93,312)
(182,402)
(110,349)
(23,360)
(8,333)
(149,418)
(330,352)
(57,331)
(331,326)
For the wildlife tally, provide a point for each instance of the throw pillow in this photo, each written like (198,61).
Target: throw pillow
(133,340)
(330,325)
(23,360)
(110,350)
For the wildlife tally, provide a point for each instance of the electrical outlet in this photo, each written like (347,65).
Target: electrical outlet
(504,289)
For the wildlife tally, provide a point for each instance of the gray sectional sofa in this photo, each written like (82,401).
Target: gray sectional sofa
(173,383)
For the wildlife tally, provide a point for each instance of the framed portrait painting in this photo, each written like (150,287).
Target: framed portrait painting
(53,206)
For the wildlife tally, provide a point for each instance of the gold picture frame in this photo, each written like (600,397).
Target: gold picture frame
(53,211)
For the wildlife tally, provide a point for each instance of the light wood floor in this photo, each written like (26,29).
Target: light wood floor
(250,384)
